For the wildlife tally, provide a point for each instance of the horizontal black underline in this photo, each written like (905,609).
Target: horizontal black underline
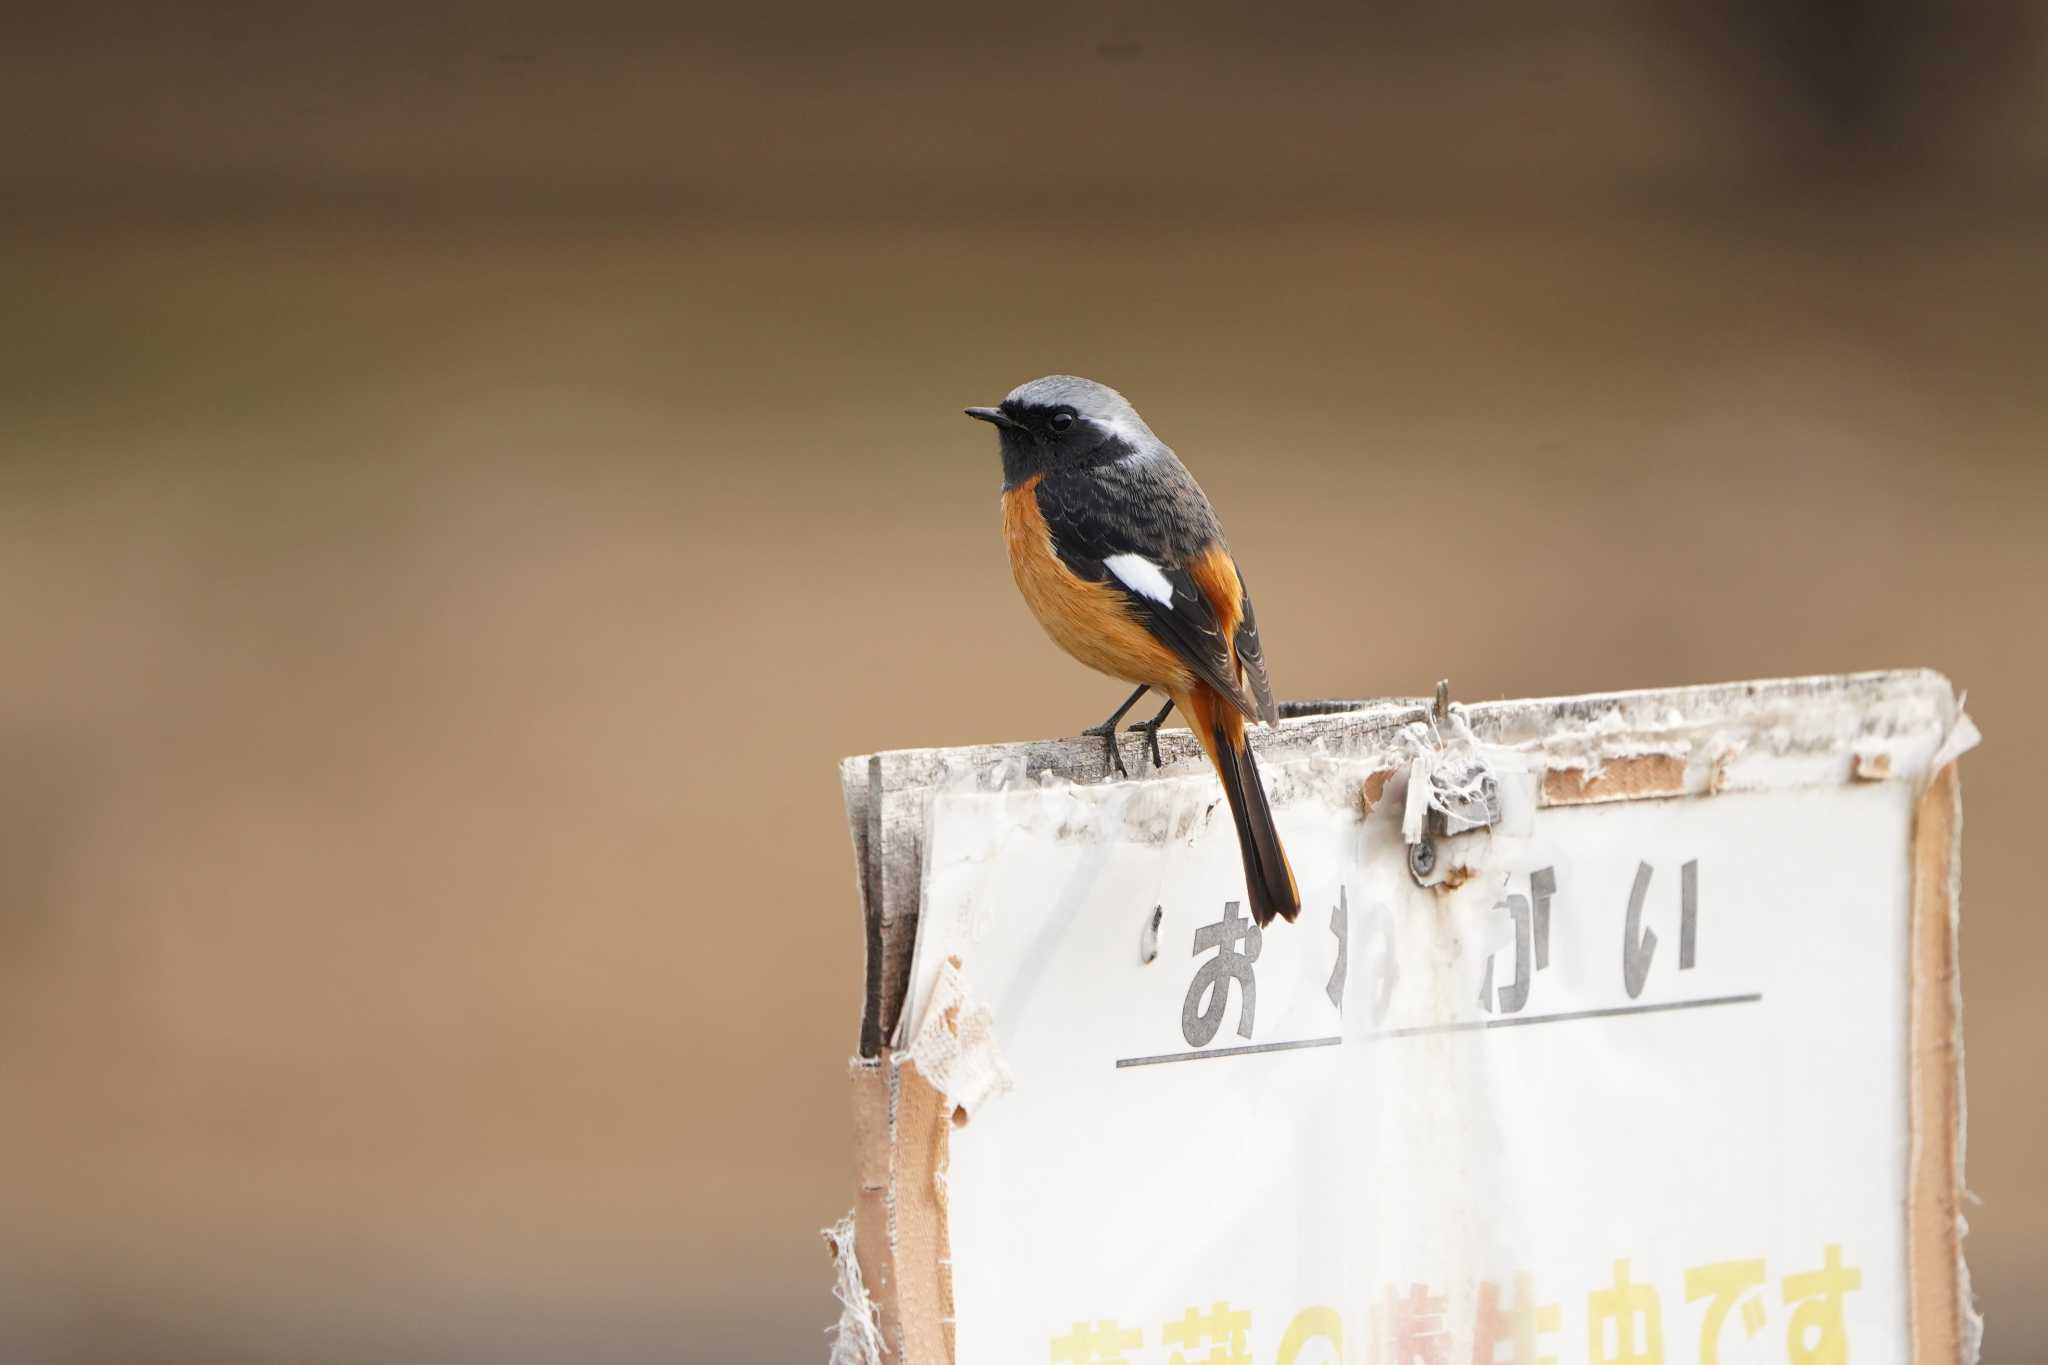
(1506,1021)
(1612,1011)
(1228,1051)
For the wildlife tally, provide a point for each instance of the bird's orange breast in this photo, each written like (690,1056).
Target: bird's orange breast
(1094,622)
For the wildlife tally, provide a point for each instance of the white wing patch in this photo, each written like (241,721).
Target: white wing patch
(1141,576)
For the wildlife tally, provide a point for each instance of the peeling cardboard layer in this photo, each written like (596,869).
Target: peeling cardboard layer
(1373,790)
(902,1127)
(905,1107)
(872,1152)
(924,1257)
(1623,779)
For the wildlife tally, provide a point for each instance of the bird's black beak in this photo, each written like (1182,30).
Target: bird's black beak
(995,415)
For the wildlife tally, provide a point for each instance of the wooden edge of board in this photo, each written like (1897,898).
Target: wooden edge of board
(856,786)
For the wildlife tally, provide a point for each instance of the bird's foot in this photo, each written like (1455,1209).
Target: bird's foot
(1150,730)
(1106,732)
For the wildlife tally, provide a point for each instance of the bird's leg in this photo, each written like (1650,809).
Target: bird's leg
(1107,730)
(1150,730)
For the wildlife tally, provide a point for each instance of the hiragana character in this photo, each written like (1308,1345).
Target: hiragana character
(1310,1325)
(1639,944)
(1818,1294)
(1199,1022)
(1722,1284)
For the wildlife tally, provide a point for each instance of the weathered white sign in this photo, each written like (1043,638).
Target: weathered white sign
(1626,1078)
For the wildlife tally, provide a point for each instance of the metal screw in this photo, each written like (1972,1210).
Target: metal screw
(1421,859)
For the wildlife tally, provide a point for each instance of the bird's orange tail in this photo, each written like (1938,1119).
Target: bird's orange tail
(1269,880)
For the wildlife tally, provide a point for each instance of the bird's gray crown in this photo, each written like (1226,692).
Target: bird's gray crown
(1097,404)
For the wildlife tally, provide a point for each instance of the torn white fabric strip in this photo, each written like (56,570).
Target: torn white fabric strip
(955,1048)
(1451,773)
(857,1336)
(1417,808)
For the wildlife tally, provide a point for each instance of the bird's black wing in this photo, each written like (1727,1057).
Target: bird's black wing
(1138,531)
(1253,658)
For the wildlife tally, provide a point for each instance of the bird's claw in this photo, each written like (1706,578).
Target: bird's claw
(1150,729)
(1106,732)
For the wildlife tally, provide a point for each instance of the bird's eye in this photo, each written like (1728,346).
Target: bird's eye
(1060,421)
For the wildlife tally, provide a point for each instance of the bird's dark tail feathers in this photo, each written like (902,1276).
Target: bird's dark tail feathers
(1269,879)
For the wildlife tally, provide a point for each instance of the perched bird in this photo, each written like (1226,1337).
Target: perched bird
(1119,556)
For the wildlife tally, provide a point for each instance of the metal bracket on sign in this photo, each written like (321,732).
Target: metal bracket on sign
(1467,797)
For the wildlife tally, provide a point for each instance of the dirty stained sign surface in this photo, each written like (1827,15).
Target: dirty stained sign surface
(1630,1084)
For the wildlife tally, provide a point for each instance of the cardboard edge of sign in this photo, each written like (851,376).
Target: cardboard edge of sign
(1623,746)
(1944,1320)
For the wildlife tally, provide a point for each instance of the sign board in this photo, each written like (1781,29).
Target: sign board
(1659,1065)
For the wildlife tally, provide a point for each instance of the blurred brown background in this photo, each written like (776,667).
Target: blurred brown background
(468,472)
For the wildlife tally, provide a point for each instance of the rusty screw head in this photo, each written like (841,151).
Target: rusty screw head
(1421,859)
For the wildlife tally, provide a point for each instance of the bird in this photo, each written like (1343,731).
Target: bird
(1119,556)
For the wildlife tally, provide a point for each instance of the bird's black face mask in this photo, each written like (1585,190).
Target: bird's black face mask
(1036,440)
